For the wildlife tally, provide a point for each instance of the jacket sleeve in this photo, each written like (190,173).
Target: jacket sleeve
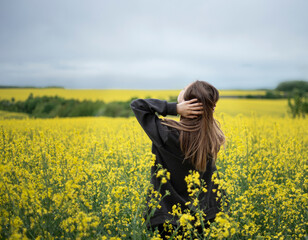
(145,111)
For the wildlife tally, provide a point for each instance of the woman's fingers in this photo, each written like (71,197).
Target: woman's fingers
(196,104)
(196,112)
(192,100)
(196,108)
(192,107)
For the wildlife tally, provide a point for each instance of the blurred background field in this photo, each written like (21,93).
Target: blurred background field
(105,94)
(12,115)
(258,107)
(229,103)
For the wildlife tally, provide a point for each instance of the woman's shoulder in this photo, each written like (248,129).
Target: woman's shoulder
(169,129)
(169,135)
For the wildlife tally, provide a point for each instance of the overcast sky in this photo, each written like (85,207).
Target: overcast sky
(153,44)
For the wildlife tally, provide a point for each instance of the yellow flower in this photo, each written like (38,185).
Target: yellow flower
(94,172)
(185,219)
(163,180)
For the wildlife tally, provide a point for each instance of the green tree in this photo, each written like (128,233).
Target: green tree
(288,86)
(297,102)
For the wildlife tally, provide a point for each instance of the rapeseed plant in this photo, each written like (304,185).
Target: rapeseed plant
(88,178)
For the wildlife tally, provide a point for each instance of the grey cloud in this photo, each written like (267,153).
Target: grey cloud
(142,44)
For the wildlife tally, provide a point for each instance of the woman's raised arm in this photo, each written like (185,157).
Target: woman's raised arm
(145,111)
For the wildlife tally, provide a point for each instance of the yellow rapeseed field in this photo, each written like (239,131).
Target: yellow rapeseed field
(106,95)
(231,106)
(12,115)
(253,107)
(86,178)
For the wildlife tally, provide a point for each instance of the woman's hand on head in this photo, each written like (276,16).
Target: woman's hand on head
(190,109)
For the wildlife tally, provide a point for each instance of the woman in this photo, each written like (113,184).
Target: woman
(190,144)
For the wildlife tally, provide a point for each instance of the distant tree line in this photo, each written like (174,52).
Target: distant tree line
(289,86)
(269,94)
(297,92)
(55,106)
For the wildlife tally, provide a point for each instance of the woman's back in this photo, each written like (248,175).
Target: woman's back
(166,147)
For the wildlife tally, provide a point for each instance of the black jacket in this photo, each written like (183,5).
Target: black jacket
(166,147)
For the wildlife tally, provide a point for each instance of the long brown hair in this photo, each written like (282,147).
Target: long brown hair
(201,137)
